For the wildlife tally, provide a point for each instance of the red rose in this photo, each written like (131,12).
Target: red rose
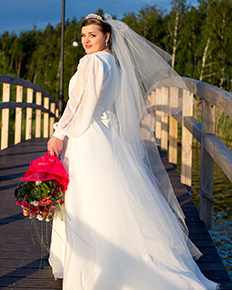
(52,207)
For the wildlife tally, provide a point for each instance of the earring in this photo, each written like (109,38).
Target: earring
(106,44)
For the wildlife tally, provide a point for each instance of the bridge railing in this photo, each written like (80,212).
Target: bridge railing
(41,110)
(212,147)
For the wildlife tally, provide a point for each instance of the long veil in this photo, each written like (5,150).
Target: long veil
(143,67)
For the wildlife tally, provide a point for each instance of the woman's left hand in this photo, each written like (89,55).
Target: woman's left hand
(54,145)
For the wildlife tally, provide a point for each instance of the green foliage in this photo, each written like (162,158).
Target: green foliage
(39,199)
(131,20)
(198,38)
(35,55)
(36,191)
(5,68)
(174,26)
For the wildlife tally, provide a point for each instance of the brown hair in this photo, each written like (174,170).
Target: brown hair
(103,26)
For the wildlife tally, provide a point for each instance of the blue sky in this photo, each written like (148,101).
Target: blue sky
(18,15)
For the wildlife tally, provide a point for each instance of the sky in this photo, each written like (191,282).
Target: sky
(19,15)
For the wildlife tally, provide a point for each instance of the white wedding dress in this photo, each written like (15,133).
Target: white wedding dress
(103,246)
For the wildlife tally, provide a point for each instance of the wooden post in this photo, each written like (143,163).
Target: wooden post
(158,117)
(18,115)
(38,116)
(173,126)
(207,166)
(46,118)
(52,119)
(151,99)
(29,114)
(164,119)
(57,113)
(5,117)
(186,152)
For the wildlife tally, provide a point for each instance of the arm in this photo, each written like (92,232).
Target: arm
(84,91)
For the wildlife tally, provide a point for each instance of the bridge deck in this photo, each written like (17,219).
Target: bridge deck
(21,264)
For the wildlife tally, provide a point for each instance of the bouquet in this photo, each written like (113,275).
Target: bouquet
(42,188)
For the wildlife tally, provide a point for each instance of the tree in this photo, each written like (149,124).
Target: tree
(131,20)
(5,67)
(215,46)
(187,63)
(221,29)
(151,24)
(174,25)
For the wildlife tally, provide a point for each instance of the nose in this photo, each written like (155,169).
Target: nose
(87,39)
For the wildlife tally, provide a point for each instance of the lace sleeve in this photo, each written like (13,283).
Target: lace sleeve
(84,91)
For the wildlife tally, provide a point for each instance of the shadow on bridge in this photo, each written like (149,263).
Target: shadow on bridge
(21,264)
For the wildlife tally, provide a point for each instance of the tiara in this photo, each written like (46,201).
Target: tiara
(95,16)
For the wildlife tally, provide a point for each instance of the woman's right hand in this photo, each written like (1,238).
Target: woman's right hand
(54,145)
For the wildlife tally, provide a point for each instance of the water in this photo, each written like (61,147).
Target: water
(222,215)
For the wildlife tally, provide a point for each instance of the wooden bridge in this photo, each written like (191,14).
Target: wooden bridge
(21,263)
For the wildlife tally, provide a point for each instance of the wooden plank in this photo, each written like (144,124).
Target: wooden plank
(18,115)
(220,98)
(25,272)
(12,105)
(207,166)
(177,114)
(46,118)
(152,104)
(20,259)
(194,127)
(25,83)
(38,116)
(29,114)
(164,120)
(173,126)
(220,153)
(158,115)
(11,230)
(33,283)
(5,117)
(217,276)
(186,149)
(52,119)
(26,255)
(225,285)
(28,263)
(216,148)
(210,263)
(20,247)
(210,259)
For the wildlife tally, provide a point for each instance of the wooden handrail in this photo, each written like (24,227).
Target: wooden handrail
(13,105)
(35,97)
(220,98)
(27,84)
(212,148)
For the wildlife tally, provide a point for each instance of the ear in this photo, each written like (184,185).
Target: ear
(107,36)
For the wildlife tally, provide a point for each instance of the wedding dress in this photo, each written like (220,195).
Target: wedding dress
(121,234)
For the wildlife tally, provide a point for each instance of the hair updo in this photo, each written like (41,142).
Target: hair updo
(103,26)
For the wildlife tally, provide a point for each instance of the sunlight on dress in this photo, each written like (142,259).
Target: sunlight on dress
(103,246)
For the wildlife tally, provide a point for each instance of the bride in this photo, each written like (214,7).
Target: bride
(126,229)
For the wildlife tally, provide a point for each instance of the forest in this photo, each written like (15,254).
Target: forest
(198,38)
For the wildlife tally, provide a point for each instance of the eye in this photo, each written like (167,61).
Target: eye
(93,35)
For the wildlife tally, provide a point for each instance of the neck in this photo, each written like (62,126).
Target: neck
(106,49)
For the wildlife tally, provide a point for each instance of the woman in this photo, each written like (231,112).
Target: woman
(126,229)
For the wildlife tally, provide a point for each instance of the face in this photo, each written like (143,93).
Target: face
(92,39)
